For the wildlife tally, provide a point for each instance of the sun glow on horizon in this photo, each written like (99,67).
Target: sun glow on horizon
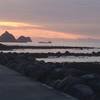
(34,31)
(17,24)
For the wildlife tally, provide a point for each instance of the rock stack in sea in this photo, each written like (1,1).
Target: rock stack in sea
(8,37)
(24,39)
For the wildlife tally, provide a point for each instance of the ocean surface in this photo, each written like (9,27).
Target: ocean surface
(95,44)
(60,43)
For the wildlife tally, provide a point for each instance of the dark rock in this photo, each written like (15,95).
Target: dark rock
(3,59)
(73,72)
(56,73)
(95,84)
(83,92)
(7,37)
(88,77)
(3,47)
(76,79)
(66,83)
(24,39)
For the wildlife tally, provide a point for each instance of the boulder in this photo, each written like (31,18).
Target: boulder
(83,92)
(66,83)
(89,76)
(7,37)
(24,39)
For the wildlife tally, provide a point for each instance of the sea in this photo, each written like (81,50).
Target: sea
(61,59)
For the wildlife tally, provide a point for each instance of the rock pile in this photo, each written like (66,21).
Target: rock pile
(81,80)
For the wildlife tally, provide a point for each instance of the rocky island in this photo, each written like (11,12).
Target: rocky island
(24,39)
(8,37)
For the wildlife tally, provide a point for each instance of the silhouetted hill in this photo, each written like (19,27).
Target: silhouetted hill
(7,37)
(24,39)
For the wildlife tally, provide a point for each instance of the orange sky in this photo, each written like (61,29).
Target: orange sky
(69,19)
(34,31)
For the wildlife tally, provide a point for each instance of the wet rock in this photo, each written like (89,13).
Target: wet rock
(83,92)
(95,84)
(89,77)
(7,37)
(24,39)
(57,73)
(76,79)
(73,72)
(3,59)
(67,82)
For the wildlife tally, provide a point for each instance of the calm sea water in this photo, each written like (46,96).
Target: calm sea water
(62,43)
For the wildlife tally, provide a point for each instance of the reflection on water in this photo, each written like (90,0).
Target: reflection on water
(70,59)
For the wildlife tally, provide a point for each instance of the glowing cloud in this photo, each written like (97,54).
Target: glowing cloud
(38,33)
(35,31)
(17,24)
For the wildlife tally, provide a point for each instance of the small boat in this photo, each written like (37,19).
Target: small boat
(48,42)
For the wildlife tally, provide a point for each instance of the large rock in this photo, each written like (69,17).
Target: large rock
(7,37)
(24,39)
(83,92)
(88,77)
(66,83)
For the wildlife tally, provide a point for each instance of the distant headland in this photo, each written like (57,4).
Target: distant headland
(8,37)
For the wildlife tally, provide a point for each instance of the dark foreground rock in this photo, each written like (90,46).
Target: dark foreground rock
(84,92)
(81,80)
(14,86)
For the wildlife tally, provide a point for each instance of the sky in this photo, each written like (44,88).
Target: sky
(68,19)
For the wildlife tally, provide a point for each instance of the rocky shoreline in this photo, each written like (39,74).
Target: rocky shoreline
(46,55)
(47,47)
(59,54)
(81,80)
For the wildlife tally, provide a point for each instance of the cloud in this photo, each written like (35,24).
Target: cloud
(37,31)
(79,17)
(18,25)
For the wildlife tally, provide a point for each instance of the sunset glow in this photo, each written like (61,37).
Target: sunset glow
(70,19)
(35,31)
(17,24)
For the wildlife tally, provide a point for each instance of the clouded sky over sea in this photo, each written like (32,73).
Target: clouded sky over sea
(51,18)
